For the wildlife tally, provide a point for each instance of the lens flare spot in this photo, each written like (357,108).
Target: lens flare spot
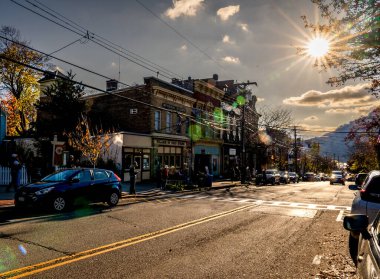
(218,115)
(240,100)
(195,132)
(265,138)
(22,249)
(234,104)
(7,259)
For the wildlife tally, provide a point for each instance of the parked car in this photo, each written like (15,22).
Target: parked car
(337,177)
(284,177)
(359,179)
(293,177)
(270,176)
(67,188)
(364,251)
(367,200)
(309,176)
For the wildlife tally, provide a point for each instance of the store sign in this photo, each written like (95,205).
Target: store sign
(170,142)
(232,151)
(169,106)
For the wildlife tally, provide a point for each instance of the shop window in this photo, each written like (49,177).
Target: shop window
(166,160)
(157,120)
(127,160)
(172,163)
(168,121)
(146,162)
(178,161)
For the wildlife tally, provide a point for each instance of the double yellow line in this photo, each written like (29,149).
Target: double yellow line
(43,266)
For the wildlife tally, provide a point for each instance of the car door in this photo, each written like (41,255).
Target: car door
(80,186)
(100,186)
(372,196)
(369,253)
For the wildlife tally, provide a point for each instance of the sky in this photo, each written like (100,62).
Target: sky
(253,40)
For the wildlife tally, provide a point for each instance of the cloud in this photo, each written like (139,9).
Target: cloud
(183,8)
(243,26)
(346,97)
(311,118)
(227,40)
(226,12)
(230,59)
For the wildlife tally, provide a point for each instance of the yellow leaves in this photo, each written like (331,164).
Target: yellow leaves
(91,143)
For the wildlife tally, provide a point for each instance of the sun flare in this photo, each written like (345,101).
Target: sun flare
(318,47)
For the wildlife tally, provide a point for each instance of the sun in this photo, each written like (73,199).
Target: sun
(318,47)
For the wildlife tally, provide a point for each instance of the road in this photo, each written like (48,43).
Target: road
(286,231)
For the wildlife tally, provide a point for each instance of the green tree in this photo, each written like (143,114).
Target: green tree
(21,82)
(353,28)
(60,106)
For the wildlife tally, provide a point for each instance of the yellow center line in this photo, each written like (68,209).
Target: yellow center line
(43,266)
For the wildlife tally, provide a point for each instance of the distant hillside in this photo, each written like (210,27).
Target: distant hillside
(332,144)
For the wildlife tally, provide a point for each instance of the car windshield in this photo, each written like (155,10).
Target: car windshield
(59,176)
(292,173)
(337,172)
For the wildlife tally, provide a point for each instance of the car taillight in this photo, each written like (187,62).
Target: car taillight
(363,194)
(117,177)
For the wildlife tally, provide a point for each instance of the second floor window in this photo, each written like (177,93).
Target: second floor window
(168,122)
(157,120)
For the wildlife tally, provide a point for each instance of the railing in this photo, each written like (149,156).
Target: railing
(5,176)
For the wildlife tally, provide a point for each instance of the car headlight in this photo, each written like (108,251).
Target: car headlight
(44,191)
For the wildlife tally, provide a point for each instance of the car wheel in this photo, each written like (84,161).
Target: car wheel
(353,246)
(113,199)
(59,204)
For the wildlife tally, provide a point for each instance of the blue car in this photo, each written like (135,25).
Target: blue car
(64,189)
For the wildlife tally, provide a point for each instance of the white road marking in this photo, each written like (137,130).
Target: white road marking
(340,216)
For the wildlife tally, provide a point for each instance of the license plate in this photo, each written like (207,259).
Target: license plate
(21,199)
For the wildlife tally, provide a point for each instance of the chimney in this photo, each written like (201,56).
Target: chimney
(215,77)
(111,84)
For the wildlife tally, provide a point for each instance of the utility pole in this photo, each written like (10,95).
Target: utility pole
(295,150)
(243,87)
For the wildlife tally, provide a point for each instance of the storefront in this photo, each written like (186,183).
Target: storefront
(137,148)
(170,152)
(207,154)
(231,158)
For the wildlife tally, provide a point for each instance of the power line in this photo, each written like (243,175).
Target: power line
(94,40)
(118,47)
(179,34)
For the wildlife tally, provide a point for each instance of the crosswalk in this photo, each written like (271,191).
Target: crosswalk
(275,203)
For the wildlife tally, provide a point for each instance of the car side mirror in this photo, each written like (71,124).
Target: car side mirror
(74,180)
(355,222)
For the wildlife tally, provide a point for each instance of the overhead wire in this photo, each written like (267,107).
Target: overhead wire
(181,35)
(110,48)
(102,38)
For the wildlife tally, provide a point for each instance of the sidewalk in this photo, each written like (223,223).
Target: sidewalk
(142,190)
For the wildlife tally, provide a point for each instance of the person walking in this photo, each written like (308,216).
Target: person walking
(132,174)
(15,172)
(165,176)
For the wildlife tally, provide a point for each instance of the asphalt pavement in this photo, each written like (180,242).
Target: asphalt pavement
(142,189)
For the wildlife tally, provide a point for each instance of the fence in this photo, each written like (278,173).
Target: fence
(5,176)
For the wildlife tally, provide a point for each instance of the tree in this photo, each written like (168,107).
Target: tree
(61,107)
(91,143)
(365,131)
(21,82)
(353,27)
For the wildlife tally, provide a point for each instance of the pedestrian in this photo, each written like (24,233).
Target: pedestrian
(15,172)
(158,176)
(132,176)
(165,176)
